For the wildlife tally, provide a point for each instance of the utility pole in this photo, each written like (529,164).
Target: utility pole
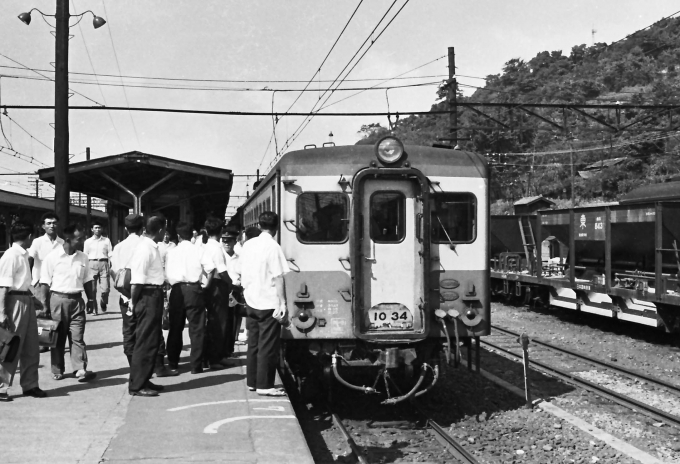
(571,161)
(89,199)
(61,135)
(453,88)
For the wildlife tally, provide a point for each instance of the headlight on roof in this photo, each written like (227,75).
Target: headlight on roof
(389,149)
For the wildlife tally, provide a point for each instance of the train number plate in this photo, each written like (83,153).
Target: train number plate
(390,317)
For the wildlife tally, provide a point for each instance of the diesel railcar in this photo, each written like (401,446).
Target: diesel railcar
(388,247)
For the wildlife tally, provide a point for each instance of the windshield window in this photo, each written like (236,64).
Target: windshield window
(321,217)
(387,217)
(454,218)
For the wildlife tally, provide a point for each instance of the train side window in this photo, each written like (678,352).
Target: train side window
(388,217)
(454,218)
(322,217)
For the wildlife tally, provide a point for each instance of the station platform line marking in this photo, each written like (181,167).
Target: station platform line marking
(212,428)
(181,408)
(616,443)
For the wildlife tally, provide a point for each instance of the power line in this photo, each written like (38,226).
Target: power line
(134,127)
(87,51)
(49,78)
(327,55)
(218,89)
(15,154)
(28,133)
(226,81)
(305,123)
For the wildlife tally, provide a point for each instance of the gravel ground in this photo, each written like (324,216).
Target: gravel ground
(493,424)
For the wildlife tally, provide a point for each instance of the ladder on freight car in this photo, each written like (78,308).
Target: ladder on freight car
(528,241)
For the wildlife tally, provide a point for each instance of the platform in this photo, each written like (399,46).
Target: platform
(210,417)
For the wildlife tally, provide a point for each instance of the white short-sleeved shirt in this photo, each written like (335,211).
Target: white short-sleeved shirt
(260,262)
(146,267)
(122,253)
(15,271)
(232,263)
(64,273)
(163,249)
(40,248)
(214,250)
(184,264)
(98,248)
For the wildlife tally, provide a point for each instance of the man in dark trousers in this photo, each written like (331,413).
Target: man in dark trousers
(146,278)
(220,324)
(261,265)
(122,255)
(17,313)
(184,269)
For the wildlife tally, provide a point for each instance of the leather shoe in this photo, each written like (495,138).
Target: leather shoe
(198,370)
(35,393)
(165,372)
(5,398)
(154,387)
(144,392)
(217,366)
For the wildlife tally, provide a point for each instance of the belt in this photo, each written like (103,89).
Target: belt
(102,259)
(186,284)
(67,295)
(151,287)
(18,292)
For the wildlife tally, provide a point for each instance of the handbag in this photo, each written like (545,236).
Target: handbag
(9,345)
(48,332)
(122,282)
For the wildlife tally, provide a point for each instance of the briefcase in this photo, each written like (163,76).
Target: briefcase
(47,332)
(9,345)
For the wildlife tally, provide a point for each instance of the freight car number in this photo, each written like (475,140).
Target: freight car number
(582,287)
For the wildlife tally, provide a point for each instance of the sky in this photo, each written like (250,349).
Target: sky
(264,41)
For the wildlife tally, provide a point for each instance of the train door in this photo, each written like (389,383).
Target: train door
(391,256)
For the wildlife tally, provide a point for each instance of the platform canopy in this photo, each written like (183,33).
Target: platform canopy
(152,184)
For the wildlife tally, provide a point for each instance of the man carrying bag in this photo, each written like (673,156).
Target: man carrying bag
(17,314)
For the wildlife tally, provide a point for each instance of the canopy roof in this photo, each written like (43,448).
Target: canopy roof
(161,183)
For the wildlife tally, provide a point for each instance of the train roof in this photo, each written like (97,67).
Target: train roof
(347,160)
(667,191)
(18,200)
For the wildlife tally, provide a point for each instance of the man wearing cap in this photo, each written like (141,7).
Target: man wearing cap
(98,250)
(229,241)
(67,272)
(17,314)
(184,268)
(219,324)
(146,278)
(120,260)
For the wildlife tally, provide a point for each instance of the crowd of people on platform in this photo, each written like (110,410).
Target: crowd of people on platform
(210,279)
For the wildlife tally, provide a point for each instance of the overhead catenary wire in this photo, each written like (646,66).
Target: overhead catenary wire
(49,78)
(127,102)
(330,89)
(89,58)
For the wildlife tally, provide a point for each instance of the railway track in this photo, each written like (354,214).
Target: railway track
(600,390)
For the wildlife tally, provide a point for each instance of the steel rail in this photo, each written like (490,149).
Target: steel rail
(604,392)
(599,362)
(452,446)
(348,438)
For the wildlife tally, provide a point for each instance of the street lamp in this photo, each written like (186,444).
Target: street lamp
(61,135)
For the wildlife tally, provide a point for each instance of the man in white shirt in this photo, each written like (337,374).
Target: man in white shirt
(17,314)
(184,268)
(219,323)
(67,273)
(98,250)
(147,278)
(40,248)
(261,266)
(166,245)
(122,255)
